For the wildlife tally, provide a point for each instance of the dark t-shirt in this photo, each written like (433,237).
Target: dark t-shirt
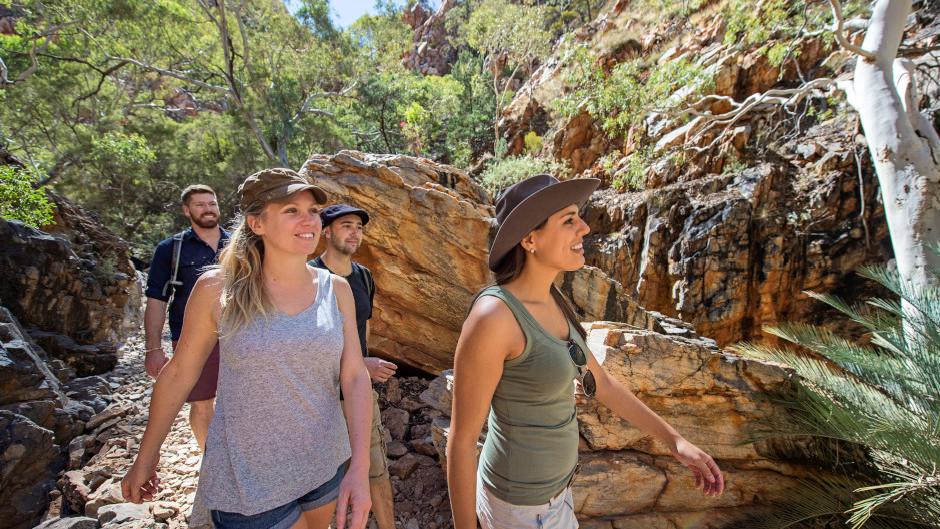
(363,289)
(195,256)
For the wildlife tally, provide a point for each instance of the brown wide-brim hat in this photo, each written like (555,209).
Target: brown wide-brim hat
(274,184)
(525,205)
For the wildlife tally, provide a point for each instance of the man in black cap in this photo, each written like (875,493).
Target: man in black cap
(342,230)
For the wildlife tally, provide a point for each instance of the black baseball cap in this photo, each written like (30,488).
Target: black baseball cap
(331,213)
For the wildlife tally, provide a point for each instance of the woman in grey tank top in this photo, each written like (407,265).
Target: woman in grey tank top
(279,454)
(519,355)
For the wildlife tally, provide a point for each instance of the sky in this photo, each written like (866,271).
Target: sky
(345,12)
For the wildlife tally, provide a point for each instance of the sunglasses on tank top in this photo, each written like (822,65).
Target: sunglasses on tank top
(585,377)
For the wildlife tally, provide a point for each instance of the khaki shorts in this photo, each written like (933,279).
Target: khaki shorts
(378,462)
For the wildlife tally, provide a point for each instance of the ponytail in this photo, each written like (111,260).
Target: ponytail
(243,294)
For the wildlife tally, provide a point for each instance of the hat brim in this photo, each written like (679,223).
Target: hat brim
(534,209)
(318,194)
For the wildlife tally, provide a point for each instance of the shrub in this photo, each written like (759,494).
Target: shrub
(630,92)
(505,172)
(21,200)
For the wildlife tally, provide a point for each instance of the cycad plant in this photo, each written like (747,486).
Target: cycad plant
(881,394)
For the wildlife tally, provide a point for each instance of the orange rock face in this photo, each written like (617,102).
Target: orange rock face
(426,245)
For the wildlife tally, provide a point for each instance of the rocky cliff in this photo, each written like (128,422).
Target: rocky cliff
(68,297)
(724,228)
(72,285)
(431,52)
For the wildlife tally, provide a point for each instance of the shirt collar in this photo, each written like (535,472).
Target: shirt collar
(190,234)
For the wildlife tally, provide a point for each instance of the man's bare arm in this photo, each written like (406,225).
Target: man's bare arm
(154,319)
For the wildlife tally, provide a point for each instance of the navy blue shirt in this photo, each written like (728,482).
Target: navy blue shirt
(195,256)
(363,290)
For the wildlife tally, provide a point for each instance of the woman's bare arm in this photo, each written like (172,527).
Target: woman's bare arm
(357,391)
(176,380)
(624,403)
(489,336)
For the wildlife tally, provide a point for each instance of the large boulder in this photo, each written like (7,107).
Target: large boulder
(29,462)
(714,398)
(427,244)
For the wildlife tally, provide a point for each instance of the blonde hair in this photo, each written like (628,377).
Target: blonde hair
(243,294)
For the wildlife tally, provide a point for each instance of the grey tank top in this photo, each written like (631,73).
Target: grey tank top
(278,431)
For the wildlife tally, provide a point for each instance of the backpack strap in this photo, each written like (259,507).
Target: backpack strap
(170,286)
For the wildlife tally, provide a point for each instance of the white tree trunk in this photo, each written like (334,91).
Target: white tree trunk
(904,146)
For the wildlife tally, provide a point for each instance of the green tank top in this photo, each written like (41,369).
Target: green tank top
(531,449)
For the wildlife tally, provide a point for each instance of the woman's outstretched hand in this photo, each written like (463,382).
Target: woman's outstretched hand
(353,494)
(141,482)
(708,476)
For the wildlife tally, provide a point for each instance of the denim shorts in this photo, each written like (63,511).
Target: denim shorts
(286,515)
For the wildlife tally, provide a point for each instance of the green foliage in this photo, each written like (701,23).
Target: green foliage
(533,143)
(632,90)
(21,200)
(503,27)
(632,176)
(670,8)
(122,150)
(505,172)
(733,164)
(780,19)
(881,394)
(508,36)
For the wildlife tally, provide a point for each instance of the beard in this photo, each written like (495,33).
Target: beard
(344,247)
(206,221)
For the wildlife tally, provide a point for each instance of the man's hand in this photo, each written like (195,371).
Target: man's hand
(155,360)
(379,370)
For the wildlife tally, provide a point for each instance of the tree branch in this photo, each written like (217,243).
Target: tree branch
(170,73)
(785,98)
(34,62)
(104,75)
(305,107)
(840,35)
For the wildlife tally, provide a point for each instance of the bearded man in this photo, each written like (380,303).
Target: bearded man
(176,265)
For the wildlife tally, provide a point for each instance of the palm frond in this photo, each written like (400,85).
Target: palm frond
(883,396)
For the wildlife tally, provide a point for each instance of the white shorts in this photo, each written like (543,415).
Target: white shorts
(495,513)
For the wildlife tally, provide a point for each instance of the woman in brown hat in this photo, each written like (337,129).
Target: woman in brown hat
(279,454)
(518,357)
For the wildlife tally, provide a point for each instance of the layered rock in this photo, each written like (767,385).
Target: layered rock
(732,252)
(431,53)
(72,284)
(727,249)
(37,422)
(714,398)
(69,296)
(427,244)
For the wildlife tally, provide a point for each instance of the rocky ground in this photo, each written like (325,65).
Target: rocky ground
(88,494)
